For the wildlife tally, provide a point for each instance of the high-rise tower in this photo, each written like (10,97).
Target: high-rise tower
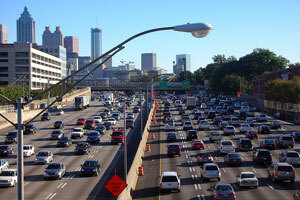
(26,27)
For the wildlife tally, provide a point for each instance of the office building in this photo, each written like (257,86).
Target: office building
(83,61)
(72,44)
(148,62)
(3,34)
(53,39)
(26,27)
(182,61)
(24,63)
(96,43)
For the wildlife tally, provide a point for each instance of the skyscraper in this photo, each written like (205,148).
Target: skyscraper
(3,34)
(53,39)
(26,27)
(182,61)
(96,43)
(72,44)
(148,62)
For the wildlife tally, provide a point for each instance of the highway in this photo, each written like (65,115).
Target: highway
(72,186)
(192,186)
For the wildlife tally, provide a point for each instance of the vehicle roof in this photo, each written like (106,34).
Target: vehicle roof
(171,173)
(246,173)
(282,164)
(91,161)
(173,144)
(210,164)
(47,151)
(9,170)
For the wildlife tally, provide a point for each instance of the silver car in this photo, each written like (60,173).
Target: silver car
(290,157)
(247,179)
(44,157)
(55,170)
(281,172)
(215,136)
(210,171)
(223,191)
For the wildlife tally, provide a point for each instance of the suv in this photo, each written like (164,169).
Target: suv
(263,129)
(191,135)
(262,156)
(283,141)
(210,171)
(228,130)
(117,136)
(90,167)
(204,124)
(46,116)
(261,118)
(268,144)
(93,137)
(282,172)
(169,181)
(245,144)
(30,129)
(211,114)
(44,157)
(129,123)
(188,125)
(290,157)
(11,137)
(174,149)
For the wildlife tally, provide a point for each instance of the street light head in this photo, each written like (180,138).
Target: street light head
(198,30)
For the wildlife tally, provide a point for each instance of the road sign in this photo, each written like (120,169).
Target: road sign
(186,84)
(115,185)
(163,84)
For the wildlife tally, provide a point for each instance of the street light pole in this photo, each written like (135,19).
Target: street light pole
(151,92)
(48,86)
(20,150)
(125,145)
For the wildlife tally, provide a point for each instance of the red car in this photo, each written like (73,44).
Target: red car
(90,124)
(174,149)
(198,145)
(81,121)
(251,134)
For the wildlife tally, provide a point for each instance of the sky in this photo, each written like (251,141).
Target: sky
(239,26)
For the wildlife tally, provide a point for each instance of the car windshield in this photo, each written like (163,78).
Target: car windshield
(204,122)
(89,122)
(29,126)
(77,130)
(227,143)
(56,132)
(229,128)
(118,133)
(90,164)
(246,142)
(264,153)
(3,147)
(285,168)
(248,176)
(270,141)
(211,167)
(64,138)
(293,154)
(53,166)
(297,133)
(26,147)
(169,179)
(12,134)
(287,138)
(93,134)
(42,154)
(222,188)
(81,119)
(115,114)
(187,123)
(7,173)
(58,122)
(173,147)
(100,127)
(215,134)
(233,155)
(81,145)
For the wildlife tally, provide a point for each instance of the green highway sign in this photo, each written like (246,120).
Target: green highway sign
(163,84)
(186,84)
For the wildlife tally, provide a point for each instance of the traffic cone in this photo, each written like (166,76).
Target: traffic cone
(141,171)
(148,149)
(152,136)
(154,120)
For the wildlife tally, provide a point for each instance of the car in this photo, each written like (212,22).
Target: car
(130,115)
(263,129)
(211,114)
(28,150)
(90,167)
(116,104)
(90,124)
(197,115)
(113,121)
(269,144)
(281,171)
(93,137)
(174,149)
(245,144)
(285,141)
(249,121)
(169,181)
(222,125)
(97,119)
(215,136)
(234,121)
(275,125)
(246,179)
(104,115)
(171,137)
(229,130)
(136,109)
(204,158)
(110,108)
(44,157)
(290,157)
(296,136)
(226,117)
(117,136)
(3,165)
(233,159)
(251,134)
(8,177)
(116,116)
(217,120)
(204,124)
(169,125)
(210,171)
(59,125)
(188,125)
(30,129)
(129,123)
(77,133)
(226,146)
(81,121)
(261,118)
(279,115)
(101,129)
(64,142)
(11,137)
(46,116)
(223,191)
(59,112)
(82,148)
(55,171)
(197,145)
(108,125)
(56,135)
(244,128)
(191,135)
(203,106)
(43,105)
(262,156)
(6,150)
(296,195)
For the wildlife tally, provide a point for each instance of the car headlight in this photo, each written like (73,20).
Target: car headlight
(45,174)
(94,169)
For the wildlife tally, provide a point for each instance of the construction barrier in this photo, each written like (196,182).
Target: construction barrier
(152,136)
(148,149)
(141,171)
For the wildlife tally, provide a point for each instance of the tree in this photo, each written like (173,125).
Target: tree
(297,64)
(198,78)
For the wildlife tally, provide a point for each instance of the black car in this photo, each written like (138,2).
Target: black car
(129,123)
(230,110)
(64,142)
(30,129)
(191,135)
(242,115)
(6,150)
(275,125)
(82,148)
(211,114)
(101,129)
(171,137)
(59,124)
(233,159)
(46,116)
(11,137)
(90,167)
(263,129)
(108,125)
(217,120)
(262,156)
(103,115)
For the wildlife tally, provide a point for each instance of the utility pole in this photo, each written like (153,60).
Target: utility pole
(125,145)
(185,74)
(151,92)
(141,113)
(48,86)
(20,150)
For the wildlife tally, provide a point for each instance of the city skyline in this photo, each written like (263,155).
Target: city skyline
(236,34)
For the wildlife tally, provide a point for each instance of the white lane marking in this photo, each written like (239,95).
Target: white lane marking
(271,186)
(94,151)
(254,170)
(59,185)
(224,170)
(193,177)
(52,196)
(196,177)
(186,156)
(193,169)
(48,196)
(190,169)
(196,187)
(89,156)
(77,169)
(92,156)
(98,147)
(199,186)
(26,184)
(208,146)
(63,185)
(198,197)
(216,158)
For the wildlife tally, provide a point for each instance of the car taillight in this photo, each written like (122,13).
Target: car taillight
(221,147)
(232,194)
(294,173)
(218,195)
(204,172)
(276,173)
(160,185)
(178,184)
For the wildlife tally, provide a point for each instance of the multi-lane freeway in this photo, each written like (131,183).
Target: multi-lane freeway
(192,185)
(72,185)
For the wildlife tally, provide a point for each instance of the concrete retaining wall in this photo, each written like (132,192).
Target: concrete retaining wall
(132,175)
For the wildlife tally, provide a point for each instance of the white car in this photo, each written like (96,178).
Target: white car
(226,146)
(261,118)
(77,133)
(247,179)
(60,112)
(249,121)
(215,136)
(228,130)
(28,150)
(3,165)
(177,103)
(8,177)
(244,128)
(130,115)
(203,106)
(245,108)
(170,126)
(204,124)
(116,104)
(97,119)
(169,181)
(234,121)
(113,121)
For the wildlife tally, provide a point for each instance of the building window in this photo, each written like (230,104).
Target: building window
(22,54)
(56,50)
(3,75)
(22,69)
(3,54)
(22,61)
(3,60)
(34,55)
(3,69)
(2,83)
